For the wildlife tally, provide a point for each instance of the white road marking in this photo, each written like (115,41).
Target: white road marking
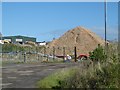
(5,84)
(51,69)
(12,77)
(26,74)
(24,71)
(35,66)
(17,65)
(22,66)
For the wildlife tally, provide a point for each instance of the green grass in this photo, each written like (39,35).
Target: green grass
(11,62)
(17,61)
(54,80)
(99,74)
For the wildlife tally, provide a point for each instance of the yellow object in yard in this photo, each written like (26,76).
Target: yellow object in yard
(30,42)
(45,60)
(6,41)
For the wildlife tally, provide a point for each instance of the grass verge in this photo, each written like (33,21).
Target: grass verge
(54,80)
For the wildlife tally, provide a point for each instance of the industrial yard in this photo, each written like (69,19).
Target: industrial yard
(59,45)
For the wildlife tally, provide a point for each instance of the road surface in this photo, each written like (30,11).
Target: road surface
(26,75)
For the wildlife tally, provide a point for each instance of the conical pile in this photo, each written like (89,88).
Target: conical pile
(85,41)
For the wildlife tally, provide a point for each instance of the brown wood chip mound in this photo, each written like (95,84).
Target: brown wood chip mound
(83,39)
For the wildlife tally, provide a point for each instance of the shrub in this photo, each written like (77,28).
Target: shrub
(98,54)
(94,77)
(107,78)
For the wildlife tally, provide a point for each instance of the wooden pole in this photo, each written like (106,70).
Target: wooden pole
(53,53)
(29,49)
(75,51)
(63,53)
(44,51)
(24,56)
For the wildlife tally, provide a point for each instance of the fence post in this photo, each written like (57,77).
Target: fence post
(63,53)
(53,53)
(24,56)
(75,53)
(38,57)
(36,52)
(29,49)
(16,49)
(44,51)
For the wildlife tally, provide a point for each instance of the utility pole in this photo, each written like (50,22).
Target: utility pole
(105,25)
(118,31)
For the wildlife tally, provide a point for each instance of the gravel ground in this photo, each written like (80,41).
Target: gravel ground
(26,75)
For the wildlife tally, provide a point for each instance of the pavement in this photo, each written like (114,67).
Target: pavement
(27,75)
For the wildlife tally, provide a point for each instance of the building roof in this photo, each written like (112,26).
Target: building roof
(19,36)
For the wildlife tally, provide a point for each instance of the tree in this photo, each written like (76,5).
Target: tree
(98,55)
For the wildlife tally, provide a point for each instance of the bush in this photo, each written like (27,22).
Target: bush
(98,54)
(107,78)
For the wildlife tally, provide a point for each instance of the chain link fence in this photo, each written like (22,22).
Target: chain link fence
(44,54)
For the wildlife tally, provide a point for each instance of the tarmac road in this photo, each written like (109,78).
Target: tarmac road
(26,75)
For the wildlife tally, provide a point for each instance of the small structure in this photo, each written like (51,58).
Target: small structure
(18,39)
(41,43)
(1,42)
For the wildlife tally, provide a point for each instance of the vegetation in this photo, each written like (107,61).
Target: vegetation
(19,48)
(106,77)
(98,55)
(15,54)
(55,80)
(103,74)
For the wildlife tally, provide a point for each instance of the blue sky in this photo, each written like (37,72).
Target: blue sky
(47,20)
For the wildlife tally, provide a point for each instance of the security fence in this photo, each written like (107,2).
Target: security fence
(43,54)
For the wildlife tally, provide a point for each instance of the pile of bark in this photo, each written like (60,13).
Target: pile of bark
(85,41)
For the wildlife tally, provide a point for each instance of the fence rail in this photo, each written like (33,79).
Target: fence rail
(40,55)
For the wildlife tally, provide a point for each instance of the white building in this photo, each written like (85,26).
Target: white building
(42,43)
